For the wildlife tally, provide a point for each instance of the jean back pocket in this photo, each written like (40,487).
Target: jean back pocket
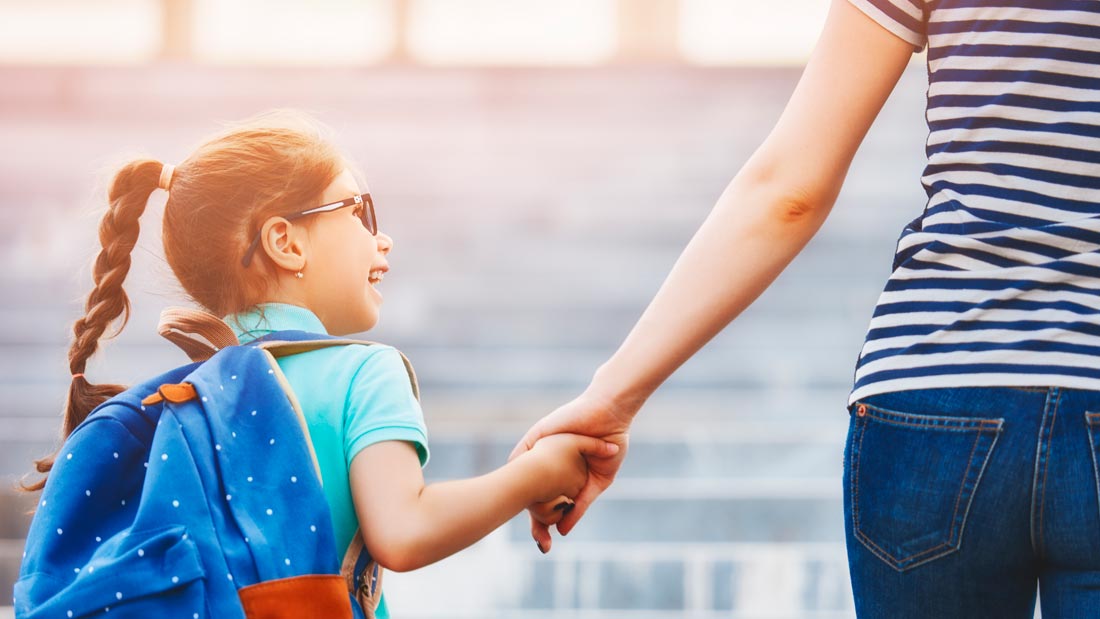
(1092,421)
(912,480)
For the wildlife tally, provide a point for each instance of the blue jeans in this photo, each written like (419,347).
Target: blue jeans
(959,502)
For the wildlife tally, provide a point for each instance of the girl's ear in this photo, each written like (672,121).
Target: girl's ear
(284,243)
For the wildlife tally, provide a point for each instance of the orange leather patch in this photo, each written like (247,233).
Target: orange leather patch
(173,393)
(316,596)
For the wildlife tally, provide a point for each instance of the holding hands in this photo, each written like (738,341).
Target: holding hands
(559,436)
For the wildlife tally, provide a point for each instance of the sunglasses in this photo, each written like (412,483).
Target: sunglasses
(366,215)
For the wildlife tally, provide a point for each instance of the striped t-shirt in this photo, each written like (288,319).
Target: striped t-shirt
(997,283)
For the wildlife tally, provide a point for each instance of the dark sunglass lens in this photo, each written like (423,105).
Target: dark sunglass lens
(369,220)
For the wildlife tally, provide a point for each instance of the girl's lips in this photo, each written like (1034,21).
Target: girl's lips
(376,275)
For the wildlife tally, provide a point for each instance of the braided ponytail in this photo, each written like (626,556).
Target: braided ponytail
(118,233)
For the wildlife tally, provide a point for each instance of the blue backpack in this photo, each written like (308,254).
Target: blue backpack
(195,494)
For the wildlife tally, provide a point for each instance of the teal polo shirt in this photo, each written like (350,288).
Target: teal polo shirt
(352,397)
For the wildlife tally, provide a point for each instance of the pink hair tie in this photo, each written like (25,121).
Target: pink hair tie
(78,375)
(166,176)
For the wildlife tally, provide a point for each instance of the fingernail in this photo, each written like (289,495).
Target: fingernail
(539,544)
(564,506)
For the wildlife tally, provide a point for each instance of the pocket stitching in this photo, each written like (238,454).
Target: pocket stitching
(980,427)
(1089,419)
(950,424)
(954,517)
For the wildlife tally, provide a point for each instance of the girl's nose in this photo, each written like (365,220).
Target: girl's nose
(385,243)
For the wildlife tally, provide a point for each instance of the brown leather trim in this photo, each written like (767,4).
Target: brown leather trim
(285,349)
(351,556)
(199,333)
(370,594)
(316,596)
(279,348)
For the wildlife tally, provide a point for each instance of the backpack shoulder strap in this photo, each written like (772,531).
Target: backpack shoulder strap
(199,333)
(286,343)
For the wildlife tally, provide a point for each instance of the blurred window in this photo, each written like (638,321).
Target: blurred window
(722,32)
(536,32)
(435,32)
(79,31)
(292,32)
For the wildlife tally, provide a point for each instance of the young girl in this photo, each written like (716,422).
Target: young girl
(266,225)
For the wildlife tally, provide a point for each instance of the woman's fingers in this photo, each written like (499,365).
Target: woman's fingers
(572,516)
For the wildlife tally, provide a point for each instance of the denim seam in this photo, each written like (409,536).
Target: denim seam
(857,448)
(980,426)
(896,563)
(1040,463)
(1046,465)
(958,497)
(1089,418)
(978,479)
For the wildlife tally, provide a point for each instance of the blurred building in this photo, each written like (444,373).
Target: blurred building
(427,32)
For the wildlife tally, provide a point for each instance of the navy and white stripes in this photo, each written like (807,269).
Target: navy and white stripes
(997,283)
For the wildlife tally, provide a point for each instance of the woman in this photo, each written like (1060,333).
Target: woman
(970,471)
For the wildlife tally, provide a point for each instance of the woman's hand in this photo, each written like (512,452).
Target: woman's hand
(587,415)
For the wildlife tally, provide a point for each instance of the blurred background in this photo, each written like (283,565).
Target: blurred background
(540,165)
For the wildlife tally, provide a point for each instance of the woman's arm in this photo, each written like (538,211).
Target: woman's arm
(770,210)
(407,525)
(763,219)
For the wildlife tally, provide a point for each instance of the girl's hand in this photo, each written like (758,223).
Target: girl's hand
(561,464)
(551,512)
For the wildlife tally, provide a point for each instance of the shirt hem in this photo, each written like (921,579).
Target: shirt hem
(409,434)
(973,380)
(890,24)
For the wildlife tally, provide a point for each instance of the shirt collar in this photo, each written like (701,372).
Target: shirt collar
(265,318)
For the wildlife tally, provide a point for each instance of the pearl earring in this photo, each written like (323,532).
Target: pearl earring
(299,275)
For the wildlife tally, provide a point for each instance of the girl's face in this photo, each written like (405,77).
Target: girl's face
(344,263)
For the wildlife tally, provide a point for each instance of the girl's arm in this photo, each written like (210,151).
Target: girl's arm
(407,524)
(763,219)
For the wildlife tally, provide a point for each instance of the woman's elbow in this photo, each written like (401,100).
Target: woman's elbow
(797,205)
(787,192)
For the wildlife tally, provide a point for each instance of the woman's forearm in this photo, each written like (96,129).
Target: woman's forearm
(752,234)
(769,211)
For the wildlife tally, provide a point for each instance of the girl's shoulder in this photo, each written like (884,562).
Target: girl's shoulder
(364,365)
